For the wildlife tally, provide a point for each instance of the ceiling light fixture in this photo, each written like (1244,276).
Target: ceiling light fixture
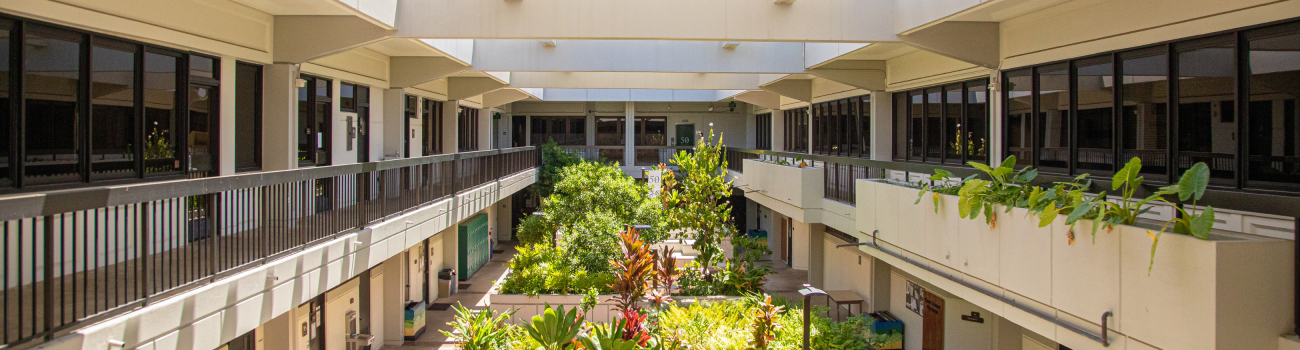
(784,2)
(731,45)
(547,42)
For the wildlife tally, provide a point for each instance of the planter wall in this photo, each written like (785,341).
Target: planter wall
(800,187)
(1229,292)
(529,306)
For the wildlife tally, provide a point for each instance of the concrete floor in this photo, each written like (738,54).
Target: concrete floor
(785,282)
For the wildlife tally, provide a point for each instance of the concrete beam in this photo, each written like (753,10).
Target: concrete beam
(863,74)
(300,39)
(799,89)
(503,96)
(407,71)
(973,42)
(809,21)
(634,80)
(459,88)
(519,55)
(765,99)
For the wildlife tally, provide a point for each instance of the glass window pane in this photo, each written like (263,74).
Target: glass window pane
(248,101)
(6,157)
(347,97)
(864,126)
(112,113)
(202,67)
(933,125)
(1207,127)
(322,89)
(975,136)
(1145,114)
(1274,85)
(1054,117)
(609,131)
(916,127)
(199,138)
(1020,104)
(953,146)
(306,152)
(53,71)
(1095,84)
(900,126)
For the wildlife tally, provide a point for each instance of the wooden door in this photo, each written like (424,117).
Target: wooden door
(781,242)
(932,323)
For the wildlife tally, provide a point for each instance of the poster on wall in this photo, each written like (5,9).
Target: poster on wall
(915,296)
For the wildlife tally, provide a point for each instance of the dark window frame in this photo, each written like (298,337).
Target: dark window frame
(467,129)
(565,136)
(257,116)
(763,131)
(796,130)
(832,121)
(84,133)
(1240,37)
(905,112)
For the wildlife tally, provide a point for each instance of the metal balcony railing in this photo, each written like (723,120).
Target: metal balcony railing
(71,258)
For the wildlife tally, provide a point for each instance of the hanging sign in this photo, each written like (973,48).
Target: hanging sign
(655,179)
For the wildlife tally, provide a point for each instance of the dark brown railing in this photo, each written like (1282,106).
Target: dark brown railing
(70,258)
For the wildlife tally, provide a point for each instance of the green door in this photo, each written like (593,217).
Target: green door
(686,134)
(473,246)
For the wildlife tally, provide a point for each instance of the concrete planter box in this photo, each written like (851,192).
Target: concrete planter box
(801,187)
(529,306)
(1231,291)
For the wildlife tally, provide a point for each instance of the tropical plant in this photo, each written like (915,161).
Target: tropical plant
(725,325)
(590,204)
(479,330)
(696,207)
(765,326)
(554,159)
(541,269)
(555,328)
(607,337)
(632,272)
(1006,187)
(635,327)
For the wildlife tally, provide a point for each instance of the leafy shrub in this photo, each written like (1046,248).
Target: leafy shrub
(481,330)
(554,159)
(539,269)
(728,325)
(555,328)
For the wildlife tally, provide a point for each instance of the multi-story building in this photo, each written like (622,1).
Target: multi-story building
(286,174)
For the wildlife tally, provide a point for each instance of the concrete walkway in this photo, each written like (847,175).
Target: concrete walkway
(784,282)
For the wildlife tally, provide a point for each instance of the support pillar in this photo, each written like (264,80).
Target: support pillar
(882,126)
(629,142)
(392,122)
(816,255)
(226,120)
(279,117)
(450,126)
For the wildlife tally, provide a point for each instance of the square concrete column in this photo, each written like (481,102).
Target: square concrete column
(778,130)
(450,127)
(392,122)
(882,126)
(279,117)
(485,129)
(590,113)
(226,119)
(629,143)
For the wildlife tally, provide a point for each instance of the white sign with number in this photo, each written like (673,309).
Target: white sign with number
(655,179)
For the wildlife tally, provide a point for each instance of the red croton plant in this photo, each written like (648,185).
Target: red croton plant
(638,267)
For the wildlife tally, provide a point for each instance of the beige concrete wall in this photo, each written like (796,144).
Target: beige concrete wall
(923,68)
(800,258)
(360,65)
(338,303)
(218,27)
(845,269)
(1078,28)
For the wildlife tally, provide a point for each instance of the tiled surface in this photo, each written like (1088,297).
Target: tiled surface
(785,282)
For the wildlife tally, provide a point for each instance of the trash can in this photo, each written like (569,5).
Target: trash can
(446,282)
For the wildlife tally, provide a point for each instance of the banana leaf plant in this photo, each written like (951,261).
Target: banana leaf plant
(555,328)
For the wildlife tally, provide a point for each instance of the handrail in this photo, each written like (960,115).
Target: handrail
(1255,201)
(25,205)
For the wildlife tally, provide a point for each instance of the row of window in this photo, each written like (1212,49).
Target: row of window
(1178,104)
(943,124)
(570,131)
(467,129)
(796,130)
(77,107)
(763,132)
(842,127)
